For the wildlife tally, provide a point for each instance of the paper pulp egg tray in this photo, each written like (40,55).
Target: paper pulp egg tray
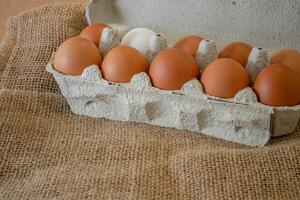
(241,119)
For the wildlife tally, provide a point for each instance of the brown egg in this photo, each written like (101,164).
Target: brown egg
(74,55)
(121,63)
(93,32)
(224,78)
(189,44)
(172,68)
(288,57)
(278,85)
(238,51)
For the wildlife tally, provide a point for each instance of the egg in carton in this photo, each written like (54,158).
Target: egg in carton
(240,119)
(144,40)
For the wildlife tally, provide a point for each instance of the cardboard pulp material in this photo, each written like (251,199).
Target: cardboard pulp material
(240,119)
(186,109)
(255,21)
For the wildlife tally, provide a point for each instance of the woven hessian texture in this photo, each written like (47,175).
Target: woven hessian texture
(47,152)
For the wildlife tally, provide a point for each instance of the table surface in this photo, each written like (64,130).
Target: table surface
(10,8)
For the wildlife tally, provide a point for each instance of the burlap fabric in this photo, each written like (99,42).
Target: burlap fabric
(47,152)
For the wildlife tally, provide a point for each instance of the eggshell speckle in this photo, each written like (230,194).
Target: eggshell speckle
(288,57)
(224,78)
(278,85)
(238,51)
(93,32)
(121,63)
(172,68)
(189,44)
(74,55)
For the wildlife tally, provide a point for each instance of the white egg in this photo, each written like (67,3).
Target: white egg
(138,38)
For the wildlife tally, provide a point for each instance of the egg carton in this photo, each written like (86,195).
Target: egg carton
(223,21)
(241,119)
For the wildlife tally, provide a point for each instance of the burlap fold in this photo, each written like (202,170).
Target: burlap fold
(47,152)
